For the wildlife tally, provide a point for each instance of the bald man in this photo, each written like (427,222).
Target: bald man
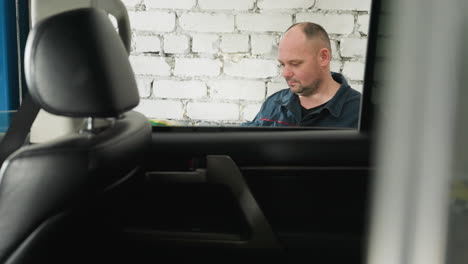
(316,96)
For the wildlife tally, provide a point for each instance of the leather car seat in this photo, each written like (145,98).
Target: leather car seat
(75,66)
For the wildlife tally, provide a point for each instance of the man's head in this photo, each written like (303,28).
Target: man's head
(304,53)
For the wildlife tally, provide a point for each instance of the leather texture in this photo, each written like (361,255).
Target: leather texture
(39,182)
(76,65)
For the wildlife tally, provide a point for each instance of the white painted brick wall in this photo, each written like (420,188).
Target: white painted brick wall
(213,62)
(172,4)
(176,44)
(148,65)
(130,3)
(179,89)
(335,49)
(263,22)
(356,86)
(363,24)
(335,66)
(205,22)
(273,87)
(237,90)
(250,111)
(197,67)
(282,4)
(263,44)
(147,44)
(234,43)
(333,23)
(360,5)
(213,111)
(239,5)
(160,109)
(205,43)
(144,86)
(156,21)
(353,48)
(353,71)
(251,68)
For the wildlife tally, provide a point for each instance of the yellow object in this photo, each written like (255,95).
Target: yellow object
(459,190)
(155,122)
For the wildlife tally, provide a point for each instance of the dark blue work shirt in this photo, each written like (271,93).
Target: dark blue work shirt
(283,108)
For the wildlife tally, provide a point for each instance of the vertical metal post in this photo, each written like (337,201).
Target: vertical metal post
(416,146)
(9,84)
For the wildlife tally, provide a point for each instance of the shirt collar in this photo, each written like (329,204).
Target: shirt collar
(334,105)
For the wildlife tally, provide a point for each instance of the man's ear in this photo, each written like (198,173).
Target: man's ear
(324,57)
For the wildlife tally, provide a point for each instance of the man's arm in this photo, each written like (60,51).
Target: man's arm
(254,122)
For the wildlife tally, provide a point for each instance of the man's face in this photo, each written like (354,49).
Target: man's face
(300,62)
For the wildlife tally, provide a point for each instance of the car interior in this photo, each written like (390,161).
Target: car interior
(117,190)
(44,184)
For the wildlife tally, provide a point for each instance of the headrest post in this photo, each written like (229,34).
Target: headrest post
(90,124)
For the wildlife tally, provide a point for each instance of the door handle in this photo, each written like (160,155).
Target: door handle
(221,169)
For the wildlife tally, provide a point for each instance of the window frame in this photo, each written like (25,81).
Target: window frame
(14,27)
(367,109)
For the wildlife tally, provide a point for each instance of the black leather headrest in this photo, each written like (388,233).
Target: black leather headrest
(76,65)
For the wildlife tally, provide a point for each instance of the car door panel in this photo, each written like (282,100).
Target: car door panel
(248,194)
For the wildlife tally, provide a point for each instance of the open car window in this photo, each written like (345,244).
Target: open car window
(207,63)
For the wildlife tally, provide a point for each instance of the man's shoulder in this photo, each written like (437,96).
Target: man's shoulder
(353,95)
(352,101)
(280,94)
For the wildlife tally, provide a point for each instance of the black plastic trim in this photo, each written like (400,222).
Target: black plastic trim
(260,148)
